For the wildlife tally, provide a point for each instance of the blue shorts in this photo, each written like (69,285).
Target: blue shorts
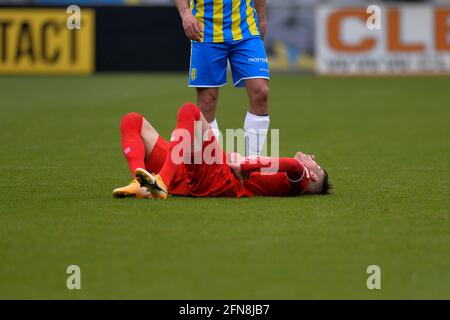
(248,60)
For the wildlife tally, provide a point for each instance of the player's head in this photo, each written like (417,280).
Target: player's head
(319,181)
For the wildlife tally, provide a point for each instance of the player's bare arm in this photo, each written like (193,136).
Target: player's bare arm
(191,25)
(260,7)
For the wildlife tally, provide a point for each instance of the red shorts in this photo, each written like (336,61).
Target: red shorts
(155,160)
(198,180)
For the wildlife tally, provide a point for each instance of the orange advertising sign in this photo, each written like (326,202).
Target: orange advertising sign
(410,40)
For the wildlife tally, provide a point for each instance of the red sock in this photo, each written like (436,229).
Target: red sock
(132,144)
(187,114)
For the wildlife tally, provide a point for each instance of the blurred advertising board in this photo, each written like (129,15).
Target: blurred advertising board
(290,37)
(411,39)
(39,41)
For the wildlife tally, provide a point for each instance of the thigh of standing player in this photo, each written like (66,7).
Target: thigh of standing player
(250,68)
(208,72)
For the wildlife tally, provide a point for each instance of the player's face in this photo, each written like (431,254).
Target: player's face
(309,162)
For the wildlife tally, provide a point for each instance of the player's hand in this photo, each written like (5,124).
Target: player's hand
(191,26)
(236,168)
(235,157)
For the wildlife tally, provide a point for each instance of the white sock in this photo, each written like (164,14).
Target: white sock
(215,128)
(255,128)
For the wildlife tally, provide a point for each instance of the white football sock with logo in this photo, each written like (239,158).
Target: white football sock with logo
(215,128)
(255,128)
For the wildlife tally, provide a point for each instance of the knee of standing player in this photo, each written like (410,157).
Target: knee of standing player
(208,101)
(131,121)
(188,110)
(260,98)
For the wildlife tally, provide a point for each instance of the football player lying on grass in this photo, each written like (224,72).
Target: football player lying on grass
(183,172)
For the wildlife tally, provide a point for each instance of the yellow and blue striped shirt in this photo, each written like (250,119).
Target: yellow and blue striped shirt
(226,20)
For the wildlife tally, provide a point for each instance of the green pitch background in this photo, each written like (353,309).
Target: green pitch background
(385,143)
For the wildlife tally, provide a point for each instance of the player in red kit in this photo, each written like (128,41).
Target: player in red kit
(194,164)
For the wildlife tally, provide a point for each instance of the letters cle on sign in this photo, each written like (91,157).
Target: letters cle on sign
(409,40)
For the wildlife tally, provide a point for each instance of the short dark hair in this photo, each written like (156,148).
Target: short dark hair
(327,186)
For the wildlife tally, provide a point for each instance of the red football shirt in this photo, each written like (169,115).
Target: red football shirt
(218,180)
(291,178)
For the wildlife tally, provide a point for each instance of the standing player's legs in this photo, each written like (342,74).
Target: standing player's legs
(250,68)
(207,102)
(208,72)
(257,119)
(139,141)
(156,147)
(258,96)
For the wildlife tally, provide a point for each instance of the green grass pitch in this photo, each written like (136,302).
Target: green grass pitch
(384,141)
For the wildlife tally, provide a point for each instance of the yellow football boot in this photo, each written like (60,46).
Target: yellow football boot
(153,182)
(133,190)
